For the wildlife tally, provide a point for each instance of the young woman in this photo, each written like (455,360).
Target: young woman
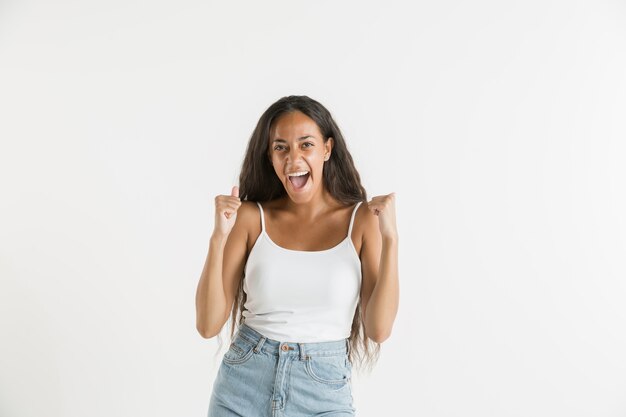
(310,273)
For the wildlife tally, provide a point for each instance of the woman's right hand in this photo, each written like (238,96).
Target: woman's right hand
(226,207)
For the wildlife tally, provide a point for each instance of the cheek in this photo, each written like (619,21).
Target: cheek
(318,168)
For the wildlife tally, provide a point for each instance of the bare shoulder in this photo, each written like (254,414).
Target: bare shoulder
(248,216)
(364,218)
(365,223)
(247,209)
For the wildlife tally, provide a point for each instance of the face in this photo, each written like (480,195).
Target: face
(297,146)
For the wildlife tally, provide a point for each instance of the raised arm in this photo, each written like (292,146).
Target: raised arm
(380,289)
(224,264)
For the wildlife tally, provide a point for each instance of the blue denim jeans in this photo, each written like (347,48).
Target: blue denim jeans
(265,377)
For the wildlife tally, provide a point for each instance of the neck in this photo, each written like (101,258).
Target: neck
(318,204)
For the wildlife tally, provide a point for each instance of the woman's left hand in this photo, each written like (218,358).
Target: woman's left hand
(384,206)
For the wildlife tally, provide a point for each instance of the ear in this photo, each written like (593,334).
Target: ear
(330,143)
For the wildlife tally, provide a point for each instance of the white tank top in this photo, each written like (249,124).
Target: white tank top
(301,296)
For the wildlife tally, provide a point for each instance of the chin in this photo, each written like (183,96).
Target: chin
(300,197)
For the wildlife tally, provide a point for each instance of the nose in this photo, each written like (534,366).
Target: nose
(293,154)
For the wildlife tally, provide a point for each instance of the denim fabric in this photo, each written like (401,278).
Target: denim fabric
(265,377)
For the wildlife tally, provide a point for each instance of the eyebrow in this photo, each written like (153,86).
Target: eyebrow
(299,139)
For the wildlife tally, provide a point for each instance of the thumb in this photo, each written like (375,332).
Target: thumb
(235,191)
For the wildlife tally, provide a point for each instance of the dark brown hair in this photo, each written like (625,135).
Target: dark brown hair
(258,182)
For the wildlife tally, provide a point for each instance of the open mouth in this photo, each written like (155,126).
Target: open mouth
(299,181)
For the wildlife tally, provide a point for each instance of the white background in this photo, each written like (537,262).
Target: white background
(500,126)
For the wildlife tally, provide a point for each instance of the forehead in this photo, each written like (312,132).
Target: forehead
(294,125)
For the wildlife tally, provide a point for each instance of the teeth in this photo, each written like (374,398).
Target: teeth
(298,174)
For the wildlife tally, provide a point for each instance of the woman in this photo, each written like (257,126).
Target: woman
(320,268)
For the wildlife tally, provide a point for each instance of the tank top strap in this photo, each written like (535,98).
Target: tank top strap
(262,217)
(352,218)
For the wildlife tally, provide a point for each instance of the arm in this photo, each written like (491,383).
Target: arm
(380,290)
(221,275)
(210,298)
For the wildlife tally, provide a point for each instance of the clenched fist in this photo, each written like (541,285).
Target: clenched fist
(226,207)
(384,206)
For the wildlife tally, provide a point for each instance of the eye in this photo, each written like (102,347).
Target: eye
(276,147)
(308,143)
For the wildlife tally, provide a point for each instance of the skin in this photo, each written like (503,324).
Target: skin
(312,212)
(288,153)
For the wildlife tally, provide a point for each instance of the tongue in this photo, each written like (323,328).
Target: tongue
(298,182)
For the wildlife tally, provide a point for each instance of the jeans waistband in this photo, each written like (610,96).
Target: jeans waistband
(335,347)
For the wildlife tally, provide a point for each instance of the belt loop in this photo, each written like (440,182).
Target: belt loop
(302,353)
(258,346)
(348,347)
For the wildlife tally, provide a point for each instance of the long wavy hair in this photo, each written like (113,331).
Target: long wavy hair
(259,182)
